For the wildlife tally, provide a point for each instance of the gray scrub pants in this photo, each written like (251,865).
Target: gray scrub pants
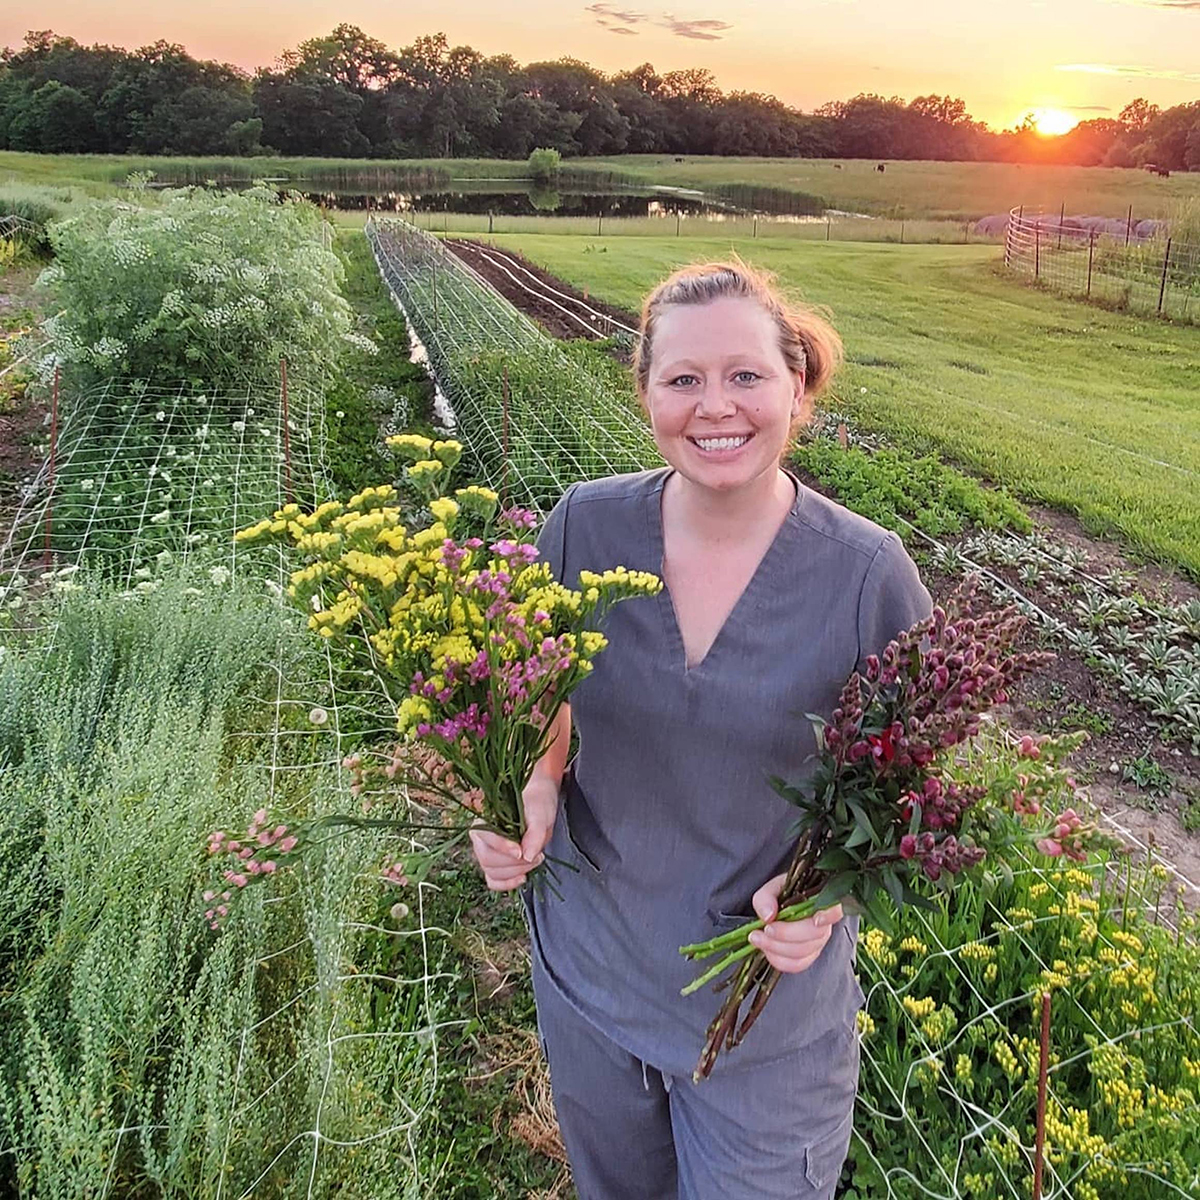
(776,1131)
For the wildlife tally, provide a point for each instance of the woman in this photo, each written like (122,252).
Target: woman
(772,596)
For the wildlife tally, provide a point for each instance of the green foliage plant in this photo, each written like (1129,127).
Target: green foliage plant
(893,482)
(195,288)
(544,164)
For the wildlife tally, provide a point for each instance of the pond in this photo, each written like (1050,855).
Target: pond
(402,193)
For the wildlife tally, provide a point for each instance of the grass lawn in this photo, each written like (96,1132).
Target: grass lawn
(1090,411)
(955,191)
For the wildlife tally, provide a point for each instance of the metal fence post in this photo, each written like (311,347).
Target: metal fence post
(1037,250)
(287,440)
(1162,287)
(1091,252)
(1128,224)
(1062,216)
(50,470)
(504,439)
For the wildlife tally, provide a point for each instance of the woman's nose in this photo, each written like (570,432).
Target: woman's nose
(714,400)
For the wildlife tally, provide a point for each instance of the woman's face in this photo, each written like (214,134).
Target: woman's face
(720,396)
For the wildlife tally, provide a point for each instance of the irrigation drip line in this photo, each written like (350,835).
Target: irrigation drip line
(543,291)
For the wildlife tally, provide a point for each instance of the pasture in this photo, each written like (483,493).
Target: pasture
(942,191)
(1066,404)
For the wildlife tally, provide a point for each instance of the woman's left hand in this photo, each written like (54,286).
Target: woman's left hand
(790,946)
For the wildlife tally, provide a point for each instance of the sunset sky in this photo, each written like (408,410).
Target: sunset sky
(1087,57)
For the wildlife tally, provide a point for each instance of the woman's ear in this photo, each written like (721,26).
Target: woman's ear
(798,404)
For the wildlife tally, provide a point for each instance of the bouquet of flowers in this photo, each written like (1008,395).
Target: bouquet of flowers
(472,640)
(883,809)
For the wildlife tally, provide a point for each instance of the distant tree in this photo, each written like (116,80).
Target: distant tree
(544,164)
(1119,154)
(1137,114)
(348,57)
(56,119)
(306,114)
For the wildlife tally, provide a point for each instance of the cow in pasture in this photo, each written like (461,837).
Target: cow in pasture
(1155,169)
(679,158)
(837,166)
(881,167)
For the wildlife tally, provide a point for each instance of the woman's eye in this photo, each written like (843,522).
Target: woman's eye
(746,376)
(684,380)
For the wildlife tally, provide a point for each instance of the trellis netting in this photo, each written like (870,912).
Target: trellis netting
(314,1066)
(989,1151)
(531,419)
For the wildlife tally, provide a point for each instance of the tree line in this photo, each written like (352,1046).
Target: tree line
(349,95)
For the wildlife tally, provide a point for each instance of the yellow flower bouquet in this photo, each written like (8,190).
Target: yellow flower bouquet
(475,644)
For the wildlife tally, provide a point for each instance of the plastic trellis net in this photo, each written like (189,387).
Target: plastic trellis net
(328,1033)
(531,418)
(929,1082)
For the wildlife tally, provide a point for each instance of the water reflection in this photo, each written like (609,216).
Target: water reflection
(408,192)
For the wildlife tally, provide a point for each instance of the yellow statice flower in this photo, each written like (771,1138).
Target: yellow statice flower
(447,453)
(444,510)
(919,1008)
(411,445)
(864,1022)
(914,945)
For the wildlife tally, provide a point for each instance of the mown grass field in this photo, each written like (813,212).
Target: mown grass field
(913,190)
(1069,405)
(955,191)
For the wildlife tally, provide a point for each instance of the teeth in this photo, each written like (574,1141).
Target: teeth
(725,443)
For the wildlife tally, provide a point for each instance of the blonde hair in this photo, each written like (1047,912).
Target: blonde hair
(810,345)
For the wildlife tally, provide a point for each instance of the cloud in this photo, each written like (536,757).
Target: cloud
(614,19)
(1087,107)
(1126,70)
(705,31)
(1166,5)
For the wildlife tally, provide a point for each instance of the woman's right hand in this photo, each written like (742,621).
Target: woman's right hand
(504,863)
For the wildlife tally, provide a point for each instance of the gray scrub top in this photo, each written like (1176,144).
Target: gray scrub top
(666,811)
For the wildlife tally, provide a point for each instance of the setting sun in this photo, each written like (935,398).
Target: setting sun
(1052,122)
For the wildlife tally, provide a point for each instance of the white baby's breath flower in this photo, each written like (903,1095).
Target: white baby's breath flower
(87,485)
(163,557)
(160,415)
(219,575)
(161,518)
(146,587)
(143,573)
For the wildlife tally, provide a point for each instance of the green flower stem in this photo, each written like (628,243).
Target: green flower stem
(794,912)
(713,972)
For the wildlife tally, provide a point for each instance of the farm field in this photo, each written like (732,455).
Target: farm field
(342,1031)
(1066,404)
(955,191)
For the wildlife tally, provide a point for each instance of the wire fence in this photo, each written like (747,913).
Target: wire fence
(533,419)
(831,227)
(1107,261)
(134,481)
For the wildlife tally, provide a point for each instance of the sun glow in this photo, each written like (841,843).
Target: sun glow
(1053,122)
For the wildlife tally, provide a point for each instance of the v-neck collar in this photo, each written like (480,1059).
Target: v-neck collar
(674,635)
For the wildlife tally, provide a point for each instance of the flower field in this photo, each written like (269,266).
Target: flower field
(331,1037)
